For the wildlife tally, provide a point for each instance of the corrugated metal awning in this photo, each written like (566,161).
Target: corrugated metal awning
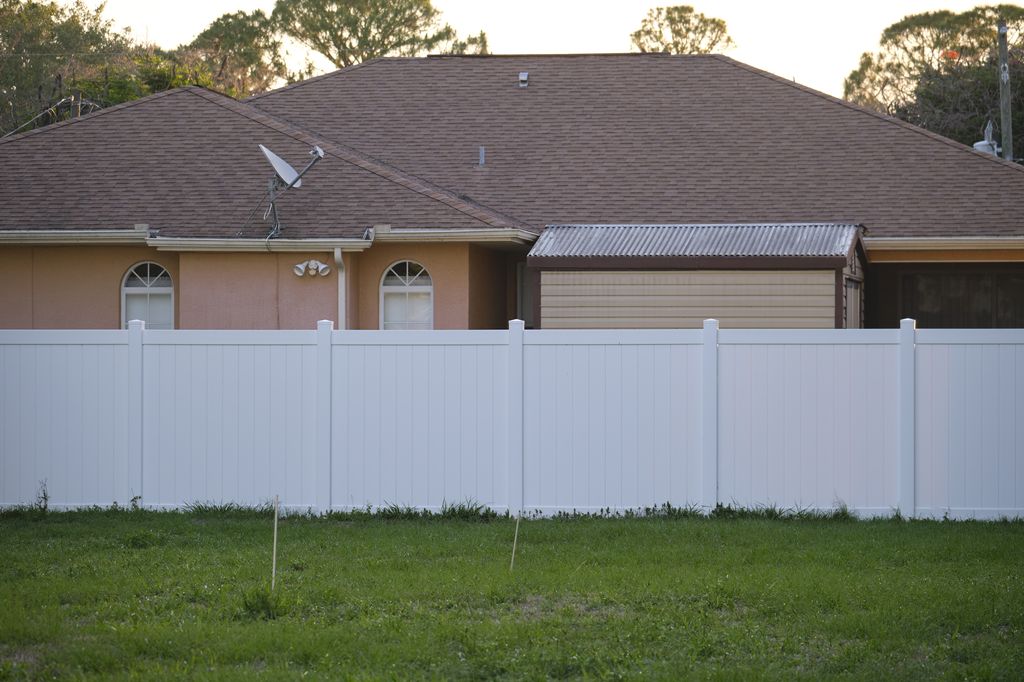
(756,241)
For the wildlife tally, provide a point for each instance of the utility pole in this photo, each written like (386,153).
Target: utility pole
(1006,124)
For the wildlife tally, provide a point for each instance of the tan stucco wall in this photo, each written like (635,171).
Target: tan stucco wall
(448,265)
(80,286)
(70,287)
(254,291)
(682,299)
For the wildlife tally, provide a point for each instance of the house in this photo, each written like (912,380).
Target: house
(459,192)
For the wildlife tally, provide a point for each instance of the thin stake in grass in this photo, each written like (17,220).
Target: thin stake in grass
(515,539)
(273,560)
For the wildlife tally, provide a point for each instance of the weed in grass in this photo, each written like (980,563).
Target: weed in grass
(210,510)
(262,603)
(469,510)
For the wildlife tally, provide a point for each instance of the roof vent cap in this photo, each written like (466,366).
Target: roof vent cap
(524,78)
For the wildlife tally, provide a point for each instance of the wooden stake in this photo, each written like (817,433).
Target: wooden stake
(273,564)
(515,539)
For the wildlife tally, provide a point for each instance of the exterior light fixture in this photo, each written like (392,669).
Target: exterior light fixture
(311,268)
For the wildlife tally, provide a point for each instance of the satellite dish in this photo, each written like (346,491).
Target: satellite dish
(288,175)
(285,177)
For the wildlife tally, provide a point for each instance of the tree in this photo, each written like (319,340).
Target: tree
(348,32)
(51,52)
(932,43)
(45,49)
(241,52)
(681,30)
(958,100)
(471,45)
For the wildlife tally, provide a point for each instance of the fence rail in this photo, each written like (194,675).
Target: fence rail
(924,421)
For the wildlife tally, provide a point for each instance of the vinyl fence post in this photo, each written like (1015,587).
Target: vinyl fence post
(324,381)
(516,492)
(136,442)
(709,416)
(906,470)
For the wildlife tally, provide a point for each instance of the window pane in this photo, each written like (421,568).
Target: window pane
(419,309)
(393,280)
(395,308)
(156,310)
(161,312)
(135,307)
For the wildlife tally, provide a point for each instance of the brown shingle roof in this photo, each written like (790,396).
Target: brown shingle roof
(655,139)
(187,163)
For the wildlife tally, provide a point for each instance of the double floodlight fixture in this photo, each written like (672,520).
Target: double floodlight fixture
(311,268)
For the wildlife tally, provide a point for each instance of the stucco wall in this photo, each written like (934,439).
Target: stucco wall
(448,265)
(681,299)
(254,291)
(70,287)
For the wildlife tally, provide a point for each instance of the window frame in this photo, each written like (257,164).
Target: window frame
(137,291)
(381,289)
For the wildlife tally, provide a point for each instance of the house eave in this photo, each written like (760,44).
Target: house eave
(256,245)
(942,243)
(72,237)
(485,235)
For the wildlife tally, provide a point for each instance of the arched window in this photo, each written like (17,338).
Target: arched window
(406,297)
(147,294)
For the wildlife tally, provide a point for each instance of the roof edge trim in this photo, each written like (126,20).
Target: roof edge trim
(686,262)
(72,236)
(932,243)
(501,235)
(263,245)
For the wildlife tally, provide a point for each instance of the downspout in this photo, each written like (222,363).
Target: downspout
(339,266)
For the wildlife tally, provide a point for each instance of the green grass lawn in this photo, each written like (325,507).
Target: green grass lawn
(142,594)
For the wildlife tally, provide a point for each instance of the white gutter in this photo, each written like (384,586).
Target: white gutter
(936,243)
(55,237)
(264,245)
(506,235)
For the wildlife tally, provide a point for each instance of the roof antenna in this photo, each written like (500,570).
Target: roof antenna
(285,177)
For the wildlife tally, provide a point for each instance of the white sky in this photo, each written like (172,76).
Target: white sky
(815,42)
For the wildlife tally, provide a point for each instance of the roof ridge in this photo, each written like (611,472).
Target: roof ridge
(314,79)
(94,114)
(864,110)
(351,155)
(348,69)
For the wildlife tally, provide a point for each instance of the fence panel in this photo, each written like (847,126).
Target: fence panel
(553,420)
(419,419)
(808,420)
(969,426)
(64,418)
(229,417)
(611,420)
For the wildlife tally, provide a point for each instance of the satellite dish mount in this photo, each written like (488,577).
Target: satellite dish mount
(285,177)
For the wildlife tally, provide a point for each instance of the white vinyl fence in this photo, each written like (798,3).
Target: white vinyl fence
(930,422)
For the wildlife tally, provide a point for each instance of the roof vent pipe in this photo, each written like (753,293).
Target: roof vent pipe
(483,155)
(524,78)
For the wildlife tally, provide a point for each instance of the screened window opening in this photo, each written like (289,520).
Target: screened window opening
(148,295)
(406,297)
